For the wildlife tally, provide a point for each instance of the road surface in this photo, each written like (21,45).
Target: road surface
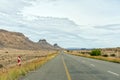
(69,67)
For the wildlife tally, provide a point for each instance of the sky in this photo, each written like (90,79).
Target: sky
(70,23)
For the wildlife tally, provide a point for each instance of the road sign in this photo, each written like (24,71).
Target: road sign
(19,60)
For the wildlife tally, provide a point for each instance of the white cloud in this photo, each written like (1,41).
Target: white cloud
(11,7)
(66,22)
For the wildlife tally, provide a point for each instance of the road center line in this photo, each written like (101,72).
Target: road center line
(113,73)
(66,69)
(92,65)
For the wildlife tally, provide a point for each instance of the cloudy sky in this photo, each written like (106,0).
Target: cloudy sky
(70,23)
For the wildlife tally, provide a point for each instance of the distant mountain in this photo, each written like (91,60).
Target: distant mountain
(79,48)
(45,45)
(57,46)
(19,41)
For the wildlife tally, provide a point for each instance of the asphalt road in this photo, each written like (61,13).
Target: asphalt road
(69,67)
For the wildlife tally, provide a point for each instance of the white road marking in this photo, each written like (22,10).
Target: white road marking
(113,73)
(92,65)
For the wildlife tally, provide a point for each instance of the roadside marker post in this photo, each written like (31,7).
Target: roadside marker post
(19,61)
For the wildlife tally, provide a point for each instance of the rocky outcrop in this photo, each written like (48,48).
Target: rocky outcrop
(56,46)
(45,45)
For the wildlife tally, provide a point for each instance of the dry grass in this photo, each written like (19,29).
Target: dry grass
(13,73)
(110,59)
(8,57)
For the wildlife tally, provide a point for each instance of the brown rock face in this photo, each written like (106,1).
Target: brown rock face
(44,44)
(16,40)
(19,41)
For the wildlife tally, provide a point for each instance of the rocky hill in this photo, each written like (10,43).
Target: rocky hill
(57,46)
(16,40)
(45,45)
(19,41)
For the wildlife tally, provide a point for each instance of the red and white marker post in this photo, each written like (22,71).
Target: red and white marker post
(19,60)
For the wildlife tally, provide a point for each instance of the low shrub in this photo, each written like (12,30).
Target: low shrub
(105,55)
(68,51)
(113,55)
(6,51)
(1,65)
(95,52)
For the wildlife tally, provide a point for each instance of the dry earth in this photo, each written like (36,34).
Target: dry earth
(8,57)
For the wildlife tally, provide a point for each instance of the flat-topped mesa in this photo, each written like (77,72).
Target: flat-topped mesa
(44,44)
(42,41)
(57,46)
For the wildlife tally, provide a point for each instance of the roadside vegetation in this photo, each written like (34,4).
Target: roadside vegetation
(13,73)
(96,54)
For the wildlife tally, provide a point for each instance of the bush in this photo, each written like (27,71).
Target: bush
(6,51)
(82,53)
(113,55)
(68,50)
(1,65)
(95,52)
(105,55)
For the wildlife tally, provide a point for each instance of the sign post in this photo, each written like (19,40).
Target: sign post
(19,60)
